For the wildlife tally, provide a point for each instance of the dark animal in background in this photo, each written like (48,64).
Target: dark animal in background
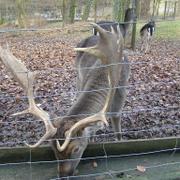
(129,17)
(146,33)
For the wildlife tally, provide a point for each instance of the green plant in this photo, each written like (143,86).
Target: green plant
(2,20)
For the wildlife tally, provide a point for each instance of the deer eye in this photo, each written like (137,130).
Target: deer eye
(76,149)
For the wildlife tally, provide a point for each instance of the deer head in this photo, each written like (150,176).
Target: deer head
(129,18)
(77,126)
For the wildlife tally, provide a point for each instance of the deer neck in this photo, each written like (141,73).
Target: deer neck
(89,102)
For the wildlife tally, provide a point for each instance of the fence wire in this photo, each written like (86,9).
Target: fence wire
(105,157)
(108,172)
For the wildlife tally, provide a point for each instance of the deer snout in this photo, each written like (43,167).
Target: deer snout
(66,169)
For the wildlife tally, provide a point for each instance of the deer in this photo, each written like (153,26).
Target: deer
(128,20)
(146,34)
(69,135)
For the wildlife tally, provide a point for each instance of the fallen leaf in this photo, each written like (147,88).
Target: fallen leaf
(94,164)
(141,169)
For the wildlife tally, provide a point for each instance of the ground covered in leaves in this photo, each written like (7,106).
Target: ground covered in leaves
(153,102)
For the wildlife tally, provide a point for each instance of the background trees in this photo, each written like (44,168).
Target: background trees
(86,10)
(68,11)
(119,7)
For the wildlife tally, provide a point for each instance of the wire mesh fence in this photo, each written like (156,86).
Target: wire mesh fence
(153,101)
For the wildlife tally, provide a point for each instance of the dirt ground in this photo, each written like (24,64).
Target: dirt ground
(153,102)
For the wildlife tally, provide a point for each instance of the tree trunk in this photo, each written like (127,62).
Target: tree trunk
(127,3)
(119,8)
(157,12)
(156,4)
(115,9)
(133,38)
(145,9)
(165,9)
(21,15)
(95,10)
(72,11)
(65,11)
(178,8)
(175,9)
(68,11)
(86,11)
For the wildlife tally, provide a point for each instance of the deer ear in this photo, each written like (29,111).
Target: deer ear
(99,29)
(66,133)
(112,30)
(91,50)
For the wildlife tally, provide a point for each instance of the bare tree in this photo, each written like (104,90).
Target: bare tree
(72,11)
(68,11)
(21,14)
(144,8)
(119,7)
(178,8)
(86,10)
(156,4)
(95,10)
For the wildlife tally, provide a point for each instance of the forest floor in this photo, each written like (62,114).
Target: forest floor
(153,101)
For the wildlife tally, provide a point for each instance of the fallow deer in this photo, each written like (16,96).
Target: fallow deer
(88,113)
(128,20)
(146,34)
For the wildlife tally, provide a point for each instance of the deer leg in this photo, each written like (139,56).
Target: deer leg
(116,108)
(148,43)
(143,42)
(78,84)
(120,98)
(116,125)
(146,47)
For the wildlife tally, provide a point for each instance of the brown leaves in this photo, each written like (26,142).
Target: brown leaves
(154,85)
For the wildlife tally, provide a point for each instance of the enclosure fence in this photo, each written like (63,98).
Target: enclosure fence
(108,171)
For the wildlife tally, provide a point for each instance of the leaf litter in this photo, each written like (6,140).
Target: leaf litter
(154,88)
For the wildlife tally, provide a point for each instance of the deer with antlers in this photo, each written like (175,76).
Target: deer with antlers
(129,18)
(146,34)
(96,81)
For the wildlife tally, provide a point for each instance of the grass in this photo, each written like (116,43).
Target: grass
(165,30)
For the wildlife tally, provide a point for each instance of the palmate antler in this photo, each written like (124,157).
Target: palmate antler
(26,79)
